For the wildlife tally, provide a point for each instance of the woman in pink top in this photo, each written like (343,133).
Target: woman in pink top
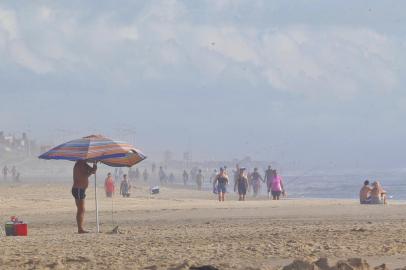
(277,187)
(109,186)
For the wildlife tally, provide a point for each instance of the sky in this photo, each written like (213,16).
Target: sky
(317,83)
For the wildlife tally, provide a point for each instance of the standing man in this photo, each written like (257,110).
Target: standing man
(269,176)
(162,175)
(241,185)
(199,180)
(185,177)
(13,172)
(81,173)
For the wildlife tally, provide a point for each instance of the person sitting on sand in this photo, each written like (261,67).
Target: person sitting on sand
(365,193)
(277,187)
(241,184)
(81,173)
(109,186)
(378,194)
(221,181)
(125,187)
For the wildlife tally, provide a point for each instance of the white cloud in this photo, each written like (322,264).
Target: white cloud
(15,47)
(8,23)
(339,61)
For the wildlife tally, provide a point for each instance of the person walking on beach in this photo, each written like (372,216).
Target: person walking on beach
(256,179)
(221,181)
(185,177)
(162,175)
(277,188)
(249,181)
(145,175)
(81,173)
(269,176)
(236,175)
(199,180)
(193,173)
(125,187)
(213,176)
(13,173)
(5,172)
(109,186)
(241,185)
(137,174)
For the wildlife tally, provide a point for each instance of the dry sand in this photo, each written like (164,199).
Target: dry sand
(180,225)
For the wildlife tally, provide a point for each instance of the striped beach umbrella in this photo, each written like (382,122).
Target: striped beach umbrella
(97,148)
(92,148)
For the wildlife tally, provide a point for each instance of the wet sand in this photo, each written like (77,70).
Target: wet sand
(178,225)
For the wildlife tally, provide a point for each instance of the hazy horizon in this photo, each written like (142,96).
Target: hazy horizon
(319,84)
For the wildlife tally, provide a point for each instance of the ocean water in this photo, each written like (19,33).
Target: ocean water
(342,186)
(345,186)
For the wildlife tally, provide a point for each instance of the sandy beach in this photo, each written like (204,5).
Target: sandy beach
(180,227)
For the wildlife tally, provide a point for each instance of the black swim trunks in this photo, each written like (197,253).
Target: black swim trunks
(79,193)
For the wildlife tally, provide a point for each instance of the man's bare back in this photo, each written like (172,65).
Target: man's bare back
(365,193)
(81,173)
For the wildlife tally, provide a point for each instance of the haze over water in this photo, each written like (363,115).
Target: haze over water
(318,86)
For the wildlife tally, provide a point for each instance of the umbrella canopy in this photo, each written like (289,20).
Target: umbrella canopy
(92,148)
(133,157)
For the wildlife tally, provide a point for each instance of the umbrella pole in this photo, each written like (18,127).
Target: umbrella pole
(97,204)
(112,210)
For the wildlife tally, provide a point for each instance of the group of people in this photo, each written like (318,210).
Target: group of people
(243,180)
(369,194)
(196,175)
(133,175)
(15,175)
(164,178)
(110,186)
(372,194)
